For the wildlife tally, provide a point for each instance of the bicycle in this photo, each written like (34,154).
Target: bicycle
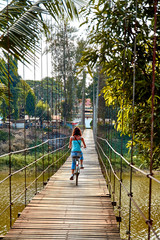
(77,168)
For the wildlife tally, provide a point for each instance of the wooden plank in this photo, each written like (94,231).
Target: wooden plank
(63,210)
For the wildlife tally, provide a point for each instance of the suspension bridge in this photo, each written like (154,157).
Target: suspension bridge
(63,210)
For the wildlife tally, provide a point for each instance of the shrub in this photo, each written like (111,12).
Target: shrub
(3,136)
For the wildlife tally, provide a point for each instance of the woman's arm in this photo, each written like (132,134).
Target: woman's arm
(70,143)
(83,142)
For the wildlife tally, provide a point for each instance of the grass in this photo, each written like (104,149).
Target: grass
(19,161)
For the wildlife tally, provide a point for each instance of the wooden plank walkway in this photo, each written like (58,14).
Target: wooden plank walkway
(63,210)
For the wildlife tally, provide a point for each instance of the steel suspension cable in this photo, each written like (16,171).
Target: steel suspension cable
(129,195)
(27,149)
(122,109)
(35,124)
(155,3)
(9,116)
(10,175)
(42,122)
(112,188)
(109,139)
(10,204)
(47,104)
(114,180)
(137,169)
(52,95)
(56,79)
(25,173)
(94,109)
(61,96)
(59,87)
(133,106)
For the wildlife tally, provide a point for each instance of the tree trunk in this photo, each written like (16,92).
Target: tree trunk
(83,99)
(64,74)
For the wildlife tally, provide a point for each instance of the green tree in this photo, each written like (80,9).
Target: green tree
(14,90)
(40,89)
(24,88)
(62,47)
(113,28)
(43,111)
(30,103)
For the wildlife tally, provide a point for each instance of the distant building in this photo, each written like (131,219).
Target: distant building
(88,108)
(88,113)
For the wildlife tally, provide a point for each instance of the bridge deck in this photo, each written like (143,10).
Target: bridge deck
(63,210)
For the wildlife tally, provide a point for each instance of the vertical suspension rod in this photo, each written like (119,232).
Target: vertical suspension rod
(25,173)
(152,114)
(9,130)
(35,125)
(52,98)
(124,72)
(42,102)
(47,106)
(133,105)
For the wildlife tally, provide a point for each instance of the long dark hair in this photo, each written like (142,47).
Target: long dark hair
(77,131)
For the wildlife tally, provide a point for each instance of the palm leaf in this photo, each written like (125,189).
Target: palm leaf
(22,22)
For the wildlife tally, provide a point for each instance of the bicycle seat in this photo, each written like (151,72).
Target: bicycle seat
(76,157)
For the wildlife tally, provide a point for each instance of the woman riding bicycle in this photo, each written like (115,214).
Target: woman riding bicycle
(75,146)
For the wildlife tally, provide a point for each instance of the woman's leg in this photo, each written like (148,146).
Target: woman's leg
(72,168)
(81,159)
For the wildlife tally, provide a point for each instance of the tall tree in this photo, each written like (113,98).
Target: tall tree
(30,103)
(42,111)
(83,99)
(14,79)
(62,47)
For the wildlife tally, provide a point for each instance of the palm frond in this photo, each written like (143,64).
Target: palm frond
(22,22)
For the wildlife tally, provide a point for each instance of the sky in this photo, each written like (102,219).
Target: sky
(32,72)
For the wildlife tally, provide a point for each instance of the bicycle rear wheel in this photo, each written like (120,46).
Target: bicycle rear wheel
(77,174)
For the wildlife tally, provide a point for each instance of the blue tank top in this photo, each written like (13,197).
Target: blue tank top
(76,145)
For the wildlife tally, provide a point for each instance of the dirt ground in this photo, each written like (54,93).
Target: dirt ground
(19,138)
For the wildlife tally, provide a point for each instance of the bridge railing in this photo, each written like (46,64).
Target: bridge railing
(109,171)
(52,158)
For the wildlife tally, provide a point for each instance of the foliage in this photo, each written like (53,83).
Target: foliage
(11,90)
(44,89)
(43,111)
(23,22)
(3,136)
(63,49)
(19,161)
(21,27)
(81,45)
(30,103)
(24,89)
(111,39)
